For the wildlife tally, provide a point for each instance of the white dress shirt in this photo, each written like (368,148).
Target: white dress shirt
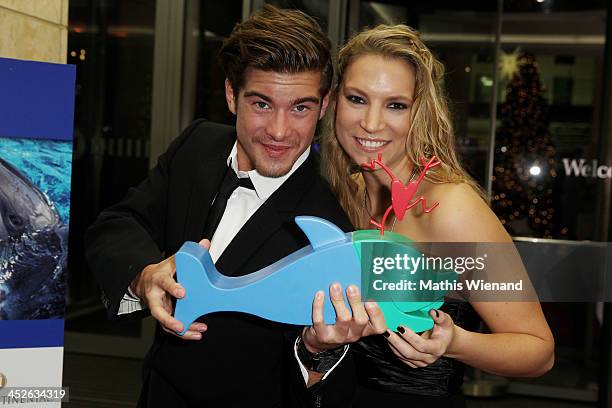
(241,205)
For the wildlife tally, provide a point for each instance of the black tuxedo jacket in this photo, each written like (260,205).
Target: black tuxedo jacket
(241,360)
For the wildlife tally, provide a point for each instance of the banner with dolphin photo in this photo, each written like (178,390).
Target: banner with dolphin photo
(36,122)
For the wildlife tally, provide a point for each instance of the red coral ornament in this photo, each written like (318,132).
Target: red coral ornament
(402,194)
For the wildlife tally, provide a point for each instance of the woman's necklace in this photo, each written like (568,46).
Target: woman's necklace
(365,201)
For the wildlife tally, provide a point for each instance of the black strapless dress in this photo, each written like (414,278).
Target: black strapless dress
(383,378)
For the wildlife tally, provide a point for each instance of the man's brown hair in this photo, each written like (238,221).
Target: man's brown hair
(277,40)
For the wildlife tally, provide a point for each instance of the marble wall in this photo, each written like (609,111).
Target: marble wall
(34,30)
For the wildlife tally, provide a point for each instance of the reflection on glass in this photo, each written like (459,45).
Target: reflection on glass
(553,123)
(525,174)
(547,128)
(372,13)
(319,9)
(216,21)
(111,44)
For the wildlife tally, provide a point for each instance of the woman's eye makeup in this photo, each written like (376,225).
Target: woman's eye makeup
(358,100)
(355,99)
(398,105)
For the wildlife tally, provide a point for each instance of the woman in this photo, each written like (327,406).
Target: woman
(389,101)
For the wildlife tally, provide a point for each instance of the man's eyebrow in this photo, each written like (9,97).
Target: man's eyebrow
(312,99)
(257,94)
(298,101)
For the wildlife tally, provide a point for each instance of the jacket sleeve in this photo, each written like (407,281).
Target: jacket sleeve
(336,390)
(339,387)
(128,236)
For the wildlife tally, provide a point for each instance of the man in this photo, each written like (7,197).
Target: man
(279,72)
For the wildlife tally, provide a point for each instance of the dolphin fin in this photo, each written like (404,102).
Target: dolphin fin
(194,270)
(319,231)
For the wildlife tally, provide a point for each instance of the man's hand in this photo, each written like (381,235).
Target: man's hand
(366,319)
(156,286)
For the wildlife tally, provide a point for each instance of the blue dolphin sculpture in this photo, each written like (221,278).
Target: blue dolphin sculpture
(284,291)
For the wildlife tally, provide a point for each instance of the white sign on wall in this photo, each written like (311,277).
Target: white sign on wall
(584,168)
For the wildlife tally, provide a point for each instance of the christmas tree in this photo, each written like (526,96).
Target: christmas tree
(525,157)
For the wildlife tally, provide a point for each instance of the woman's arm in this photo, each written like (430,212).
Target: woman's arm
(520,342)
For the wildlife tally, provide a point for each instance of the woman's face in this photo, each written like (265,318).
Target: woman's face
(373,109)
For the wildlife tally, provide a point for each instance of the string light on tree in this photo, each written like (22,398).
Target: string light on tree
(525,155)
(535,170)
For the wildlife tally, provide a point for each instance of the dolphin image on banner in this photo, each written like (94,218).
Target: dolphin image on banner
(33,250)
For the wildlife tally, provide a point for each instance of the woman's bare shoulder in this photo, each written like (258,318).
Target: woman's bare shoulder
(462,215)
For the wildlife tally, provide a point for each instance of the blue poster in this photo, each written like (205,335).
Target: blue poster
(36,122)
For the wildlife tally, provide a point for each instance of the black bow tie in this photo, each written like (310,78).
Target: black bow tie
(229,183)
(246,183)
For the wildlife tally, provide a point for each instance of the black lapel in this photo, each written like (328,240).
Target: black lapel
(278,209)
(208,176)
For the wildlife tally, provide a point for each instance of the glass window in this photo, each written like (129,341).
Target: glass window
(215,23)
(548,131)
(318,9)
(111,44)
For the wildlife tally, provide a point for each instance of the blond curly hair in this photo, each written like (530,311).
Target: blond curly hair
(430,133)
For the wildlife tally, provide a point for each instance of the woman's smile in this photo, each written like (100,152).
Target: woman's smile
(371,145)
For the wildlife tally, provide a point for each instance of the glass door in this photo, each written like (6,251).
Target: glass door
(112,45)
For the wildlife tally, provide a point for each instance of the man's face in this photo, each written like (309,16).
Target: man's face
(276,117)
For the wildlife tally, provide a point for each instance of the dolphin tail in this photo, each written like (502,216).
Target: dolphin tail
(417,319)
(194,270)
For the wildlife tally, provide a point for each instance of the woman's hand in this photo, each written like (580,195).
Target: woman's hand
(422,350)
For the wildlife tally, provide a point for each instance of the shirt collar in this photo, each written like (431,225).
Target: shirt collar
(264,186)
